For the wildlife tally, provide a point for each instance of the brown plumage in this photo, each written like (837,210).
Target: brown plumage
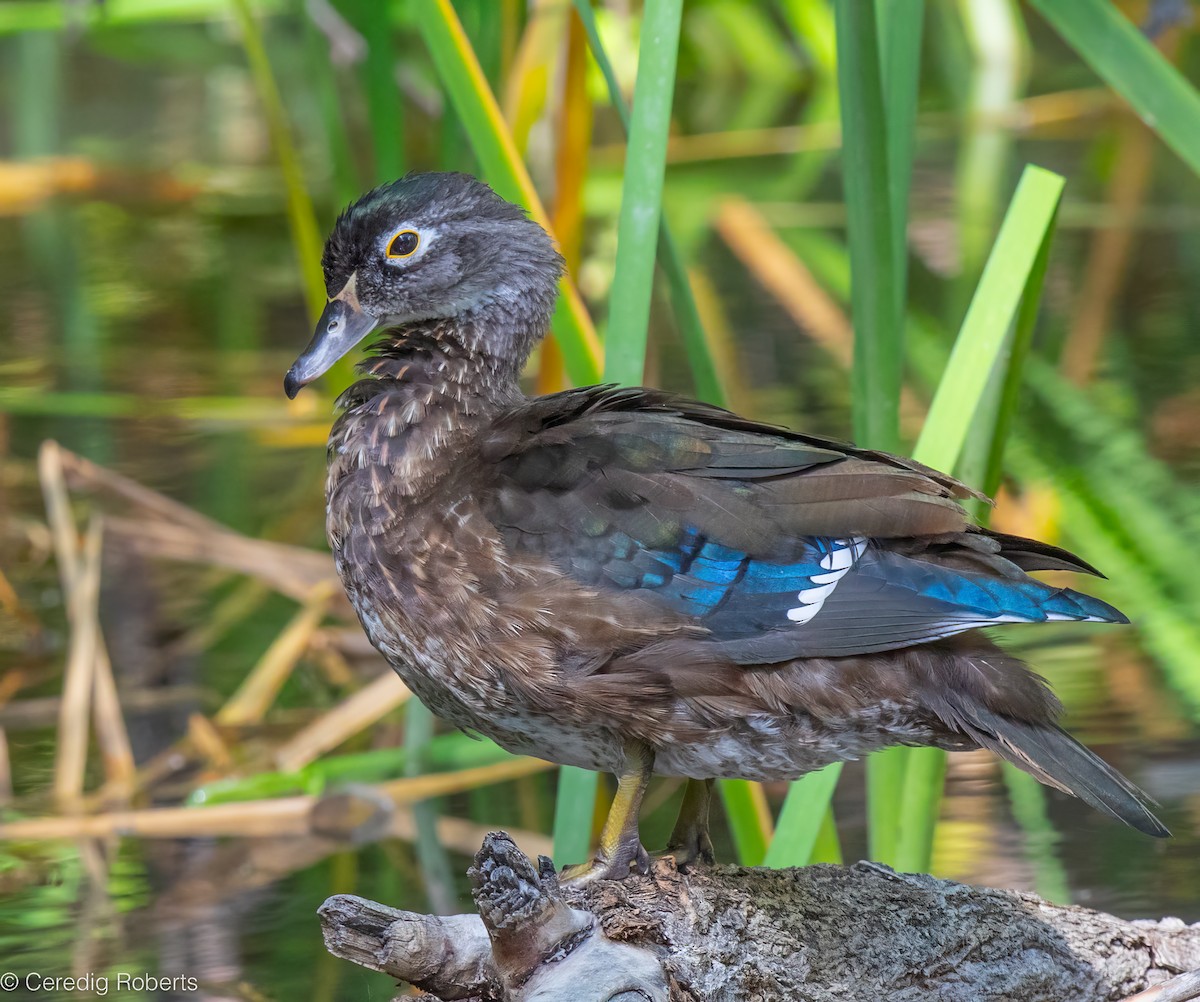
(619,579)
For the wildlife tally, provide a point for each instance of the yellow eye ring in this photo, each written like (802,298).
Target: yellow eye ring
(404,244)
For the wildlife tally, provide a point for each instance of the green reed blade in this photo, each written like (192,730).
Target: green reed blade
(683,302)
(828,847)
(900,28)
(1028,799)
(1089,480)
(981,462)
(436,869)
(385,111)
(802,818)
(878,59)
(1090,525)
(885,781)
(999,318)
(476,106)
(865,172)
(641,193)
(346,184)
(53,15)
(574,808)
(985,330)
(1163,98)
(878,48)
(748,817)
(302,217)
(908,793)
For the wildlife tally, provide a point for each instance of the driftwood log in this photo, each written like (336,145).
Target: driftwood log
(816,934)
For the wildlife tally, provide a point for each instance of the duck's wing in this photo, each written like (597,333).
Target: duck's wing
(781,545)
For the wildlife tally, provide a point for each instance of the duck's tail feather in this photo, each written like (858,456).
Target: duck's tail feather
(1051,755)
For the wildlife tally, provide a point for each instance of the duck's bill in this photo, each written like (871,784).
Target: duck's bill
(343,324)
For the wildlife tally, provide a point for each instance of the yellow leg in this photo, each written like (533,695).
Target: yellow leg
(620,844)
(689,842)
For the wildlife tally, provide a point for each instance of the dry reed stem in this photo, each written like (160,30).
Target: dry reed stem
(781,273)
(353,714)
(42,711)
(78,677)
(718,335)
(166,528)
(6,786)
(58,515)
(323,649)
(291,570)
(464,836)
(111,735)
(249,704)
(242,865)
(1031,113)
(573,132)
(437,784)
(258,818)
(12,682)
(208,742)
(527,86)
(8,597)
(150,503)
(1108,256)
(112,738)
(784,275)
(96,911)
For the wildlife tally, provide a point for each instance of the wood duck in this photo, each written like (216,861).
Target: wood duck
(625,580)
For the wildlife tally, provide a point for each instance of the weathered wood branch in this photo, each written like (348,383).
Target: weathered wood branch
(817,934)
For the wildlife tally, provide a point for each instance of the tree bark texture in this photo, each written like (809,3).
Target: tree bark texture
(821,933)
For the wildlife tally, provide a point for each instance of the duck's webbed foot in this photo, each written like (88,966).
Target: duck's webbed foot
(603,866)
(620,844)
(689,844)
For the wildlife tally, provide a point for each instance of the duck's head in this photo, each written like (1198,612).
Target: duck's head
(433,247)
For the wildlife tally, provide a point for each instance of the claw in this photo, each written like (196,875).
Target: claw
(692,853)
(601,867)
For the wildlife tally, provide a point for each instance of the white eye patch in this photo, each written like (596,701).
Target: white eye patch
(405,244)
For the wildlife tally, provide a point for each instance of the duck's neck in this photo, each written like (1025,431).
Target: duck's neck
(445,358)
(429,388)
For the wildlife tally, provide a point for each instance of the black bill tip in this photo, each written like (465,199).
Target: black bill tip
(292,384)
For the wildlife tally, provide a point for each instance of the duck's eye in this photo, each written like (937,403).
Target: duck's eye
(404,244)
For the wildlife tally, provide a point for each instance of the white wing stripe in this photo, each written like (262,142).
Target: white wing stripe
(835,563)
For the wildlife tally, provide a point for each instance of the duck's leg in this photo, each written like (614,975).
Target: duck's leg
(689,842)
(620,843)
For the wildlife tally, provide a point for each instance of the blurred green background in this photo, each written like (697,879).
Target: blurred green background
(167,170)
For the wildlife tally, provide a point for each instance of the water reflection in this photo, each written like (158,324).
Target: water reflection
(148,321)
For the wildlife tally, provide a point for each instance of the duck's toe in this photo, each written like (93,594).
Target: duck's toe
(630,855)
(696,849)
